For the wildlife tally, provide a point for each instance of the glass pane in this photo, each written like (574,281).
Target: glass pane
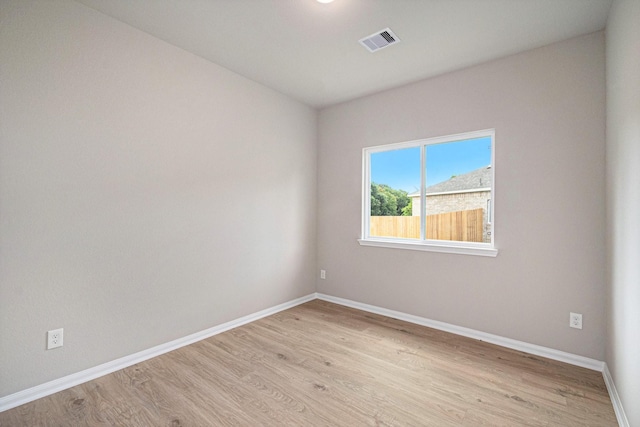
(395,194)
(458,192)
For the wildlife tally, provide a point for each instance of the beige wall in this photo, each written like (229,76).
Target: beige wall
(547,106)
(125,165)
(623,202)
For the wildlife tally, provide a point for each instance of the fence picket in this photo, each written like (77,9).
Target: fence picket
(464,226)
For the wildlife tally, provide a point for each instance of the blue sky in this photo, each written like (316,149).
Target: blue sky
(400,169)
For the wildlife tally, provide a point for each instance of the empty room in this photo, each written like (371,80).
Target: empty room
(320,212)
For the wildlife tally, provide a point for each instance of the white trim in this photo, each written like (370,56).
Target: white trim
(420,245)
(615,398)
(433,140)
(51,387)
(366,194)
(48,388)
(423,196)
(537,350)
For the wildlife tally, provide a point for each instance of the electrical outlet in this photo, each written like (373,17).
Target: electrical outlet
(575,320)
(323,274)
(54,338)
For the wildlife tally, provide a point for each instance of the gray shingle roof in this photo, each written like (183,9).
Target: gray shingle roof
(479,178)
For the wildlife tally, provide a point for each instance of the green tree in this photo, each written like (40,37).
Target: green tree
(386,201)
(408,210)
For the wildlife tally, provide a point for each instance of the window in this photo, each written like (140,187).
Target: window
(435,194)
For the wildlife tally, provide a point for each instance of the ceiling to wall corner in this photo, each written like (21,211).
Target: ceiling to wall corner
(311,51)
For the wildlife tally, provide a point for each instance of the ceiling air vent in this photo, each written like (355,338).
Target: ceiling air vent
(379,40)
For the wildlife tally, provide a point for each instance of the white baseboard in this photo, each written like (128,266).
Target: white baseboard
(48,388)
(42,390)
(615,398)
(537,350)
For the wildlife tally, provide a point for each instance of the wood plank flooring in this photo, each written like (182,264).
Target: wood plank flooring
(320,364)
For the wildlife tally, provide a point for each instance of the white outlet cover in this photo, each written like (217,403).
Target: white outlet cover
(55,338)
(575,320)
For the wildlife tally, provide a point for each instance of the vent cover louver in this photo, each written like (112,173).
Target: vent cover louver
(379,40)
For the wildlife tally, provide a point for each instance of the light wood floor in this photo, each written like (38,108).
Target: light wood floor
(321,364)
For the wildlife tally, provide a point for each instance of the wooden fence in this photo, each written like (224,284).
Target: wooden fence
(462,226)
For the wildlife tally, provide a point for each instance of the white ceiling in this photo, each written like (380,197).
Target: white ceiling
(310,51)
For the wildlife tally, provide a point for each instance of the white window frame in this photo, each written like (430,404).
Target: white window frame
(447,246)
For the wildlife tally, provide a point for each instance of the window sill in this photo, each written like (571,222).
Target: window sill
(431,247)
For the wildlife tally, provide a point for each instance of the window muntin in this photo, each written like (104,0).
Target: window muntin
(450,183)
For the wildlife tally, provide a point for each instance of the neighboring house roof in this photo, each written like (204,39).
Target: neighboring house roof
(478,179)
